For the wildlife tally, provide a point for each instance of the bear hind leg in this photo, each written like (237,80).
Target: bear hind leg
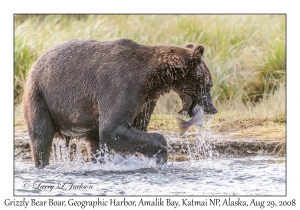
(41,130)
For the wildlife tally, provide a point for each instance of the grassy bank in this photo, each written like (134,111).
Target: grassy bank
(246,55)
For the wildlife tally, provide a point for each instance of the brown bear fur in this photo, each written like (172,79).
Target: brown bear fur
(95,90)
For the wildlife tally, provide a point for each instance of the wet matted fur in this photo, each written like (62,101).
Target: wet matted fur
(96,90)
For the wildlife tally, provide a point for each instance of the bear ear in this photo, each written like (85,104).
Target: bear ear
(198,51)
(189,46)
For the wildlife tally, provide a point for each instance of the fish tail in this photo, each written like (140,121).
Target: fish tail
(183,126)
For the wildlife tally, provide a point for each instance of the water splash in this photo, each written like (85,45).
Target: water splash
(77,158)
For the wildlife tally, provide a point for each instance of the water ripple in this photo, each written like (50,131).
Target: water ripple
(248,176)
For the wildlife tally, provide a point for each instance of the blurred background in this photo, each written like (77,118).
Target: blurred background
(246,55)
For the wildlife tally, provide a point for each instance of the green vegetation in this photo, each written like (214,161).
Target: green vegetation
(246,54)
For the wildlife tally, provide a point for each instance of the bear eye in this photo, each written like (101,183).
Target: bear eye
(209,86)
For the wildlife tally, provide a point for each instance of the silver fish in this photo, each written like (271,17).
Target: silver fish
(197,119)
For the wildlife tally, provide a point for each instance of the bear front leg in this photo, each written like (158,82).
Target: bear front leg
(128,139)
(93,139)
(142,120)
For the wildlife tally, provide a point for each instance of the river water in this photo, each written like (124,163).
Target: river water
(134,175)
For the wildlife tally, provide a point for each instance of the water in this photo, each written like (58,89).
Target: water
(135,175)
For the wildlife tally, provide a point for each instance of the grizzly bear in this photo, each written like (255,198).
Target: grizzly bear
(96,90)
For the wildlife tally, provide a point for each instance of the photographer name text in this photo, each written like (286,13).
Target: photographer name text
(67,186)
